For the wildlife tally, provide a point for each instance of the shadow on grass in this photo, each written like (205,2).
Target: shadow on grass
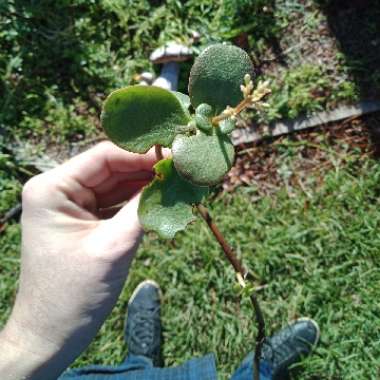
(356,27)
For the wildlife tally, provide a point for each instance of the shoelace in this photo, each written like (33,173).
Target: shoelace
(276,352)
(144,328)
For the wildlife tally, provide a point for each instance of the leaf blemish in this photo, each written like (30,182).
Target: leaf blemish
(160,176)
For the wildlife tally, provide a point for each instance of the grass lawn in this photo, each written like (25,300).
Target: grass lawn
(315,249)
(310,233)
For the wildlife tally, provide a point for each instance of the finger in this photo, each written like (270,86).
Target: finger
(108,213)
(96,165)
(123,192)
(115,181)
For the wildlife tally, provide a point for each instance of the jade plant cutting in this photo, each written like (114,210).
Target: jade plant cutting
(197,129)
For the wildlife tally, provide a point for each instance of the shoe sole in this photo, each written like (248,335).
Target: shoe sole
(142,284)
(315,324)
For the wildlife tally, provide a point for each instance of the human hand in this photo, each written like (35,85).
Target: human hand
(74,262)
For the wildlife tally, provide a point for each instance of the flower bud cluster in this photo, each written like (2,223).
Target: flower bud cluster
(251,99)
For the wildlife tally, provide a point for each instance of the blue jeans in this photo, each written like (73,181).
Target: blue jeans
(141,368)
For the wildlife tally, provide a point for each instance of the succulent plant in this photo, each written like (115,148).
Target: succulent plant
(137,118)
(197,128)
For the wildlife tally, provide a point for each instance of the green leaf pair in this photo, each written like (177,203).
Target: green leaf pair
(137,118)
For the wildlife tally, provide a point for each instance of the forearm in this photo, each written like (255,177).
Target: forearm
(41,341)
(27,354)
(22,359)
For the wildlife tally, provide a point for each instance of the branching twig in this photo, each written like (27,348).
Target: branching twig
(252,98)
(242,275)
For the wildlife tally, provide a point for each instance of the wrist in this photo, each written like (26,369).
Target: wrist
(25,356)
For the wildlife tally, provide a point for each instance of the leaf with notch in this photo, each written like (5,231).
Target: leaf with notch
(166,203)
(139,117)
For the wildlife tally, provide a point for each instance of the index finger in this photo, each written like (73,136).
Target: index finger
(96,165)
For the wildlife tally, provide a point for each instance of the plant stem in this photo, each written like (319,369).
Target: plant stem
(250,98)
(244,274)
(223,243)
(260,335)
(239,108)
(158,150)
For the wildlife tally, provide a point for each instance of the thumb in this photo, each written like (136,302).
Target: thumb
(119,237)
(126,221)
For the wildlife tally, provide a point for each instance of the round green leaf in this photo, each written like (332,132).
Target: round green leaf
(203,123)
(226,126)
(138,117)
(184,100)
(166,203)
(216,76)
(203,159)
(204,110)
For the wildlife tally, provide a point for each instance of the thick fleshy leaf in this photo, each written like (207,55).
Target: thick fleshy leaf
(166,203)
(203,123)
(216,76)
(138,117)
(184,100)
(203,159)
(227,126)
(204,110)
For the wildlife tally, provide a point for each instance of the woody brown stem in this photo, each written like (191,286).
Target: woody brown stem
(234,261)
(158,150)
(240,271)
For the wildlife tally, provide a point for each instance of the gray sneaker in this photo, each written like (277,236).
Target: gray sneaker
(289,346)
(143,323)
